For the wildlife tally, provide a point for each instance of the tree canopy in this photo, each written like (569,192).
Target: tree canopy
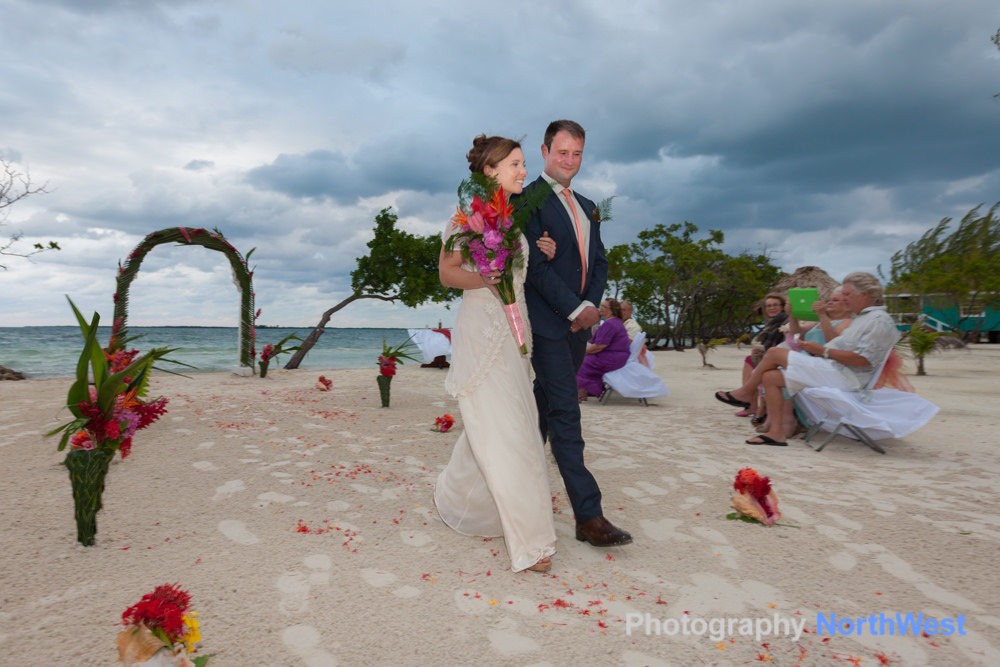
(953,267)
(689,289)
(399,267)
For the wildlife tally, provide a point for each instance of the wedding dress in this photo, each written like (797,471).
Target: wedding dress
(496,483)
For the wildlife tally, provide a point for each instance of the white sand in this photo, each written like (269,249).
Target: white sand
(214,492)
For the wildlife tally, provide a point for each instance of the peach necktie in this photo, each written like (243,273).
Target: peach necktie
(579,237)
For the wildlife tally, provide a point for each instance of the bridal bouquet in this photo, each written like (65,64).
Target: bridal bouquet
(491,229)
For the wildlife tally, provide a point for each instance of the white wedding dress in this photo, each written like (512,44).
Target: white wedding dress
(496,483)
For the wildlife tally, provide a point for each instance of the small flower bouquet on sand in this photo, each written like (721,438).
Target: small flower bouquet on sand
(161,630)
(443,423)
(754,499)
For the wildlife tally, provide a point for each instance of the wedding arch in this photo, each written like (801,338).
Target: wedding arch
(213,240)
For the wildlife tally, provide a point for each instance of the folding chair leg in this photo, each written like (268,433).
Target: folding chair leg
(863,437)
(605,395)
(812,432)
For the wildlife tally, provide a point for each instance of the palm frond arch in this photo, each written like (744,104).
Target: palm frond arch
(213,240)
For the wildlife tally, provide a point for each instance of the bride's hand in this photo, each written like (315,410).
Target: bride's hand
(491,279)
(547,246)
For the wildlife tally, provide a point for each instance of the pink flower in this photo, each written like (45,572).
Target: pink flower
(476,222)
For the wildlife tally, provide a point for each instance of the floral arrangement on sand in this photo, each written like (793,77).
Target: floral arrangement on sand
(490,236)
(443,423)
(323,384)
(161,630)
(753,498)
(105,417)
(271,351)
(387,361)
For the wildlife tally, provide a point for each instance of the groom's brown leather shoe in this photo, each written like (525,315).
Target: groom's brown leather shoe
(602,533)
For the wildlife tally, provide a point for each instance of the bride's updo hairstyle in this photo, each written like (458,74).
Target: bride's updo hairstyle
(489,151)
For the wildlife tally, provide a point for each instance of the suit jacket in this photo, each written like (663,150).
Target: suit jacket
(552,288)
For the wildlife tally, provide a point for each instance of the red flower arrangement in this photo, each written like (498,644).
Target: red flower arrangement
(387,366)
(105,416)
(444,423)
(323,384)
(754,498)
(160,620)
(271,351)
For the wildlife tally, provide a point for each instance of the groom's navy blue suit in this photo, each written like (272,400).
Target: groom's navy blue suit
(552,292)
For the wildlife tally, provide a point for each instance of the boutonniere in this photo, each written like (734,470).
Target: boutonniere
(603,211)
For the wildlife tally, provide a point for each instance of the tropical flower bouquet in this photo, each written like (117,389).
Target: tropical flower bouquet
(387,366)
(491,228)
(271,351)
(105,417)
(444,423)
(161,630)
(324,384)
(754,499)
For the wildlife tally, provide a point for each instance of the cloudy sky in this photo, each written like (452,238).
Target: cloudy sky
(829,134)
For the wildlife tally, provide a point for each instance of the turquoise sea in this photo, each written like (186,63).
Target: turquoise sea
(45,352)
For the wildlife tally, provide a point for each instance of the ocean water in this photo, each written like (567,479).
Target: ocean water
(45,352)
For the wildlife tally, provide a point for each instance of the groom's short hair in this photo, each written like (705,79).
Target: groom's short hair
(555,127)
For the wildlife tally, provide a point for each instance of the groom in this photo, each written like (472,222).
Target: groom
(560,295)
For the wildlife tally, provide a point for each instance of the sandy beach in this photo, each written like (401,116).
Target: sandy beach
(301,522)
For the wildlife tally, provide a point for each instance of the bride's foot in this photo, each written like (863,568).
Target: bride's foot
(543,565)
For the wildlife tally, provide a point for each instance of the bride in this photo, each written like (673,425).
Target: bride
(496,482)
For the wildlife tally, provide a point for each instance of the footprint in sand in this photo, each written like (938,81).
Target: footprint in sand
(237,531)
(642,494)
(415,538)
(304,640)
(383,579)
(204,466)
(228,489)
(272,498)
(295,586)
(506,641)
(206,445)
(319,566)
(664,529)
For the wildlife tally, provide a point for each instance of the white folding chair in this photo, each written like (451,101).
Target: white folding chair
(634,380)
(431,343)
(867,415)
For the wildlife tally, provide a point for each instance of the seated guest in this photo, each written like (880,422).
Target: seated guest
(847,362)
(631,326)
(606,351)
(773,309)
(633,329)
(833,319)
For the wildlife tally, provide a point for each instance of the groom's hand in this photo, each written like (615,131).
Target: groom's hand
(587,318)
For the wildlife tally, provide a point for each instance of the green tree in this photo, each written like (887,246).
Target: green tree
(957,267)
(689,289)
(399,267)
(16,185)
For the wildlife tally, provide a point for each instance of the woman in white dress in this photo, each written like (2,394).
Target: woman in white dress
(496,483)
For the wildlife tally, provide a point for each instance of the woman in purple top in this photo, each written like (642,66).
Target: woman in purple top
(607,350)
